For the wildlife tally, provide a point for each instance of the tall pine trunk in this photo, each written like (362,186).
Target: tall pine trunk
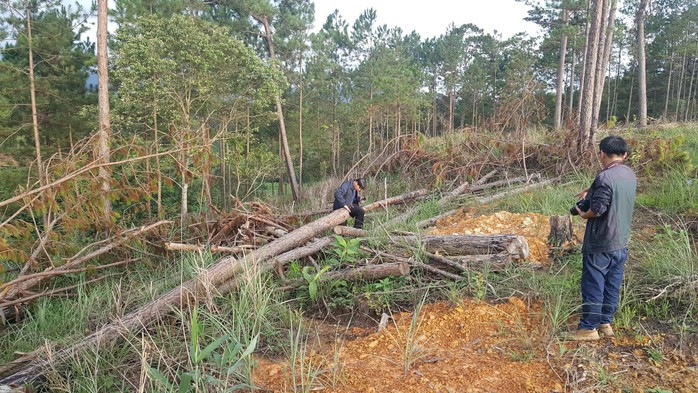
(668,88)
(300,119)
(280,113)
(590,64)
(32,93)
(690,91)
(602,65)
(103,103)
(561,70)
(583,77)
(641,68)
(570,100)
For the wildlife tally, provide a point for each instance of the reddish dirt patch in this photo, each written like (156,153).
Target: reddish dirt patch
(472,347)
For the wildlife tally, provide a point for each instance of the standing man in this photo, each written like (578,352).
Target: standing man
(611,200)
(347,197)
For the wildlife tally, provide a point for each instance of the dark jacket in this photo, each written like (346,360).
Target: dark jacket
(612,198)
(345,194)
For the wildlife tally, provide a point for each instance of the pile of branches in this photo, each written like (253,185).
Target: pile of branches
(245,227)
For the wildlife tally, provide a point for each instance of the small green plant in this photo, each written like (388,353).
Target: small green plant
(305,369)
(478,286)
(611,122)
(312,279)
(655,354)
(410,343)
(603,377)
(344,251)
(227,362)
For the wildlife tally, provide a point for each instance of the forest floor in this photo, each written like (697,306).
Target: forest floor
(471,345)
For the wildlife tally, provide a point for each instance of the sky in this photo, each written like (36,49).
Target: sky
(429,18)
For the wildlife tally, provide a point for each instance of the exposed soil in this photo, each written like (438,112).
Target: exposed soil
(477,346)
(471,347)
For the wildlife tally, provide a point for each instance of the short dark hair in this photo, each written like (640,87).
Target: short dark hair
(361,182)
(613,144)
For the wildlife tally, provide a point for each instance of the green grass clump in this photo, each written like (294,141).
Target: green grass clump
(674,192)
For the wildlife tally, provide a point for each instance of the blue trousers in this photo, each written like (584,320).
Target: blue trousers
(602,274)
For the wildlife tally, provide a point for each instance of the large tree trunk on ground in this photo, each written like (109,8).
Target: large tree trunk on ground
(216,276)
(641,68)
(513,245)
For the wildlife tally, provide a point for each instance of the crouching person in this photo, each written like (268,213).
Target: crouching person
(347,197)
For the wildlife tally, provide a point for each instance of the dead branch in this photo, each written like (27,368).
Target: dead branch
(346,231)
(11,290)
(184,295)
(367,272)
(515,191)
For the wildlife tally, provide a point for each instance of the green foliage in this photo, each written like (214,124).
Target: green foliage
(61,67)
(674,191)
(312,280)
(344,251)
(229,359)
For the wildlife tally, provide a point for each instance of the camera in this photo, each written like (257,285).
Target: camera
(583,205)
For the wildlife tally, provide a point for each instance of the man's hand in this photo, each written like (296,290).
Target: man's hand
(582,194)
(587,214)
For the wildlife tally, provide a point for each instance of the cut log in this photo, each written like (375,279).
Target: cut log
(345,231)
(171,246)
(561,231)
(514,245)
(421,265)
(186,294)
(504,182)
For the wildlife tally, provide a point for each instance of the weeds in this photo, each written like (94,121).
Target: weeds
(410,343)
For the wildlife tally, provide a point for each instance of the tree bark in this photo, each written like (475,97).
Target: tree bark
(570,99)
(280,113)
(602,66)
(513,245)
(35,117)
(668,88)
(641,68)
(561,70)
(217,276)
(690,91)
(300,120)
(560,230)
(584,62)
(103,103)
(680,89)
(590,64)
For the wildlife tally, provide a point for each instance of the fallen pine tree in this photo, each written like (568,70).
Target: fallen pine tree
(217,276)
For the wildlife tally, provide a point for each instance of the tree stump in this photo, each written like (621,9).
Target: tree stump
(560,230)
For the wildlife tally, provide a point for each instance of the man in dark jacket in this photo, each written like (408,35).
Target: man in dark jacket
(611,200)
(347,197)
